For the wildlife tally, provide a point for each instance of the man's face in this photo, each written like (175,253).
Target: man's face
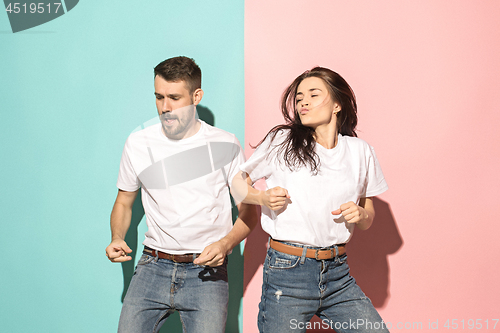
(177,108)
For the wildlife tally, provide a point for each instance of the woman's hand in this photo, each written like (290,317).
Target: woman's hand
(352,213)
(274,198)
(361,214)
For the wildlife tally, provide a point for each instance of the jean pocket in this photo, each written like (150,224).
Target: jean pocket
(341,260)
(145,259)
(280,260)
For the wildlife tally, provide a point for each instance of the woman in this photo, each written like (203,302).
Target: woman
(321,181)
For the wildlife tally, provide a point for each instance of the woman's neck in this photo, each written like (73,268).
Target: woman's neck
(326,136)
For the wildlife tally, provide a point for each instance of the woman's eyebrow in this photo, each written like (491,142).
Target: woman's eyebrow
(300,93)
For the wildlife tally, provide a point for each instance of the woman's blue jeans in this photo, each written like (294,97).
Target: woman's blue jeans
(159,287)
(296,288)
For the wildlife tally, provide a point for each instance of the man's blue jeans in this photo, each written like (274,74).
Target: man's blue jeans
(296,288)
(159,287)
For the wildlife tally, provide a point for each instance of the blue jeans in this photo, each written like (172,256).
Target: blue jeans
(159,287)
(296,288)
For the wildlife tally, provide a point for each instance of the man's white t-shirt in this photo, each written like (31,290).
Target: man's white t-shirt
(348,172)
(184,185)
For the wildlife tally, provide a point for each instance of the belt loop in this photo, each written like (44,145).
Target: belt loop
(157,256)
(336,251)
(303,257)
(194,256)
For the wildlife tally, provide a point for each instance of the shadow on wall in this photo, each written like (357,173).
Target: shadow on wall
(205,114)
(367,255)
(255,247)
(235,265)
(368,251)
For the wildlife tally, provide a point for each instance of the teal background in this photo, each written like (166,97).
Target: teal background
(71,91)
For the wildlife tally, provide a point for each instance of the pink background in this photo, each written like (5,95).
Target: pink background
(426,75)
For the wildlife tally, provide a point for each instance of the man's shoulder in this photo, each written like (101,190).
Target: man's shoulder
(142,137)
(141,133)
(142,130)
(217,134)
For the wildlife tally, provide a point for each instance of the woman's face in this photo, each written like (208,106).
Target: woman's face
(314,103)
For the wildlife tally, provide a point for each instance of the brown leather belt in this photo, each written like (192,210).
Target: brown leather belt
(318,254)
(174,257)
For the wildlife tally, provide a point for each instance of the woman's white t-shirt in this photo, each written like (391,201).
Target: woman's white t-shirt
(348,172)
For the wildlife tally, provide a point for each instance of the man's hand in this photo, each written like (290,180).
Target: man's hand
(213,255)
(352,213)
(120,222)
(275,198)
(117,251)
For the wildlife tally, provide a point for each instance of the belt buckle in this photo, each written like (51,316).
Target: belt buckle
(316,253)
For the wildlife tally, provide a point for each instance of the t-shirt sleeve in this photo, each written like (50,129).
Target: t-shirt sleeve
(238,159)
(375,182)
(127,177)
(258,165)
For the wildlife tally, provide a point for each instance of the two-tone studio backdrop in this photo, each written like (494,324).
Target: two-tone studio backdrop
(426,75)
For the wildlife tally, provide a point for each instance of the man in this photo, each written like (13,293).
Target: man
(182,165)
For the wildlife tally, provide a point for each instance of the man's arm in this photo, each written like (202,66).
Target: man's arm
(214,254)
(242,190)
(121,215)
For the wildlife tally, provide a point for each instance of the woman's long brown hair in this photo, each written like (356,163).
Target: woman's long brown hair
(297,150)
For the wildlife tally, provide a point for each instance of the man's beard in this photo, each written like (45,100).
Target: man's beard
(179,124)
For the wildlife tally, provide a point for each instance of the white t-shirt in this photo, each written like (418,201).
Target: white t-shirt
(348,172)
(184,185)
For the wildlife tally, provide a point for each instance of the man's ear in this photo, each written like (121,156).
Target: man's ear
(197,96)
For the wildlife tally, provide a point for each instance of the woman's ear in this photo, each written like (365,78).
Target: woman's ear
(336,108)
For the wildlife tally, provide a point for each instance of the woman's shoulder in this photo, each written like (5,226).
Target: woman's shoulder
(276,136)
(355,142)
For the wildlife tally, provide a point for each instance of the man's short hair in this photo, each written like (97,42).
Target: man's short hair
(180,69)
